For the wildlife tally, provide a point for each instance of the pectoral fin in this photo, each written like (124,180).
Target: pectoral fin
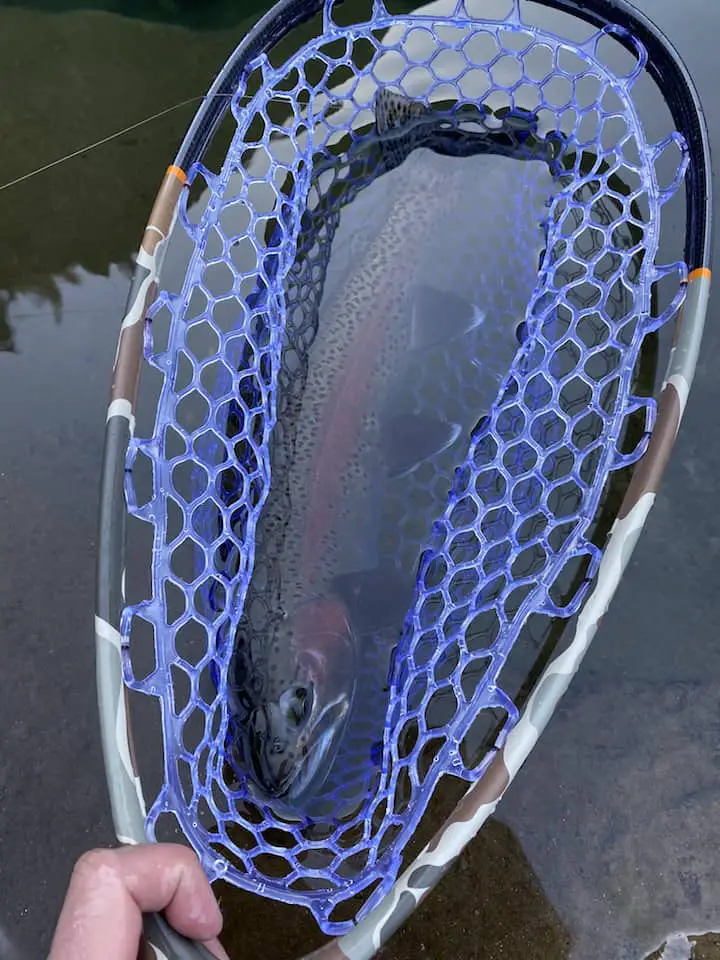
(438,317)
(410,439)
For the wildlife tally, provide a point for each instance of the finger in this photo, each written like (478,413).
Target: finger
(111,889)
(217,949)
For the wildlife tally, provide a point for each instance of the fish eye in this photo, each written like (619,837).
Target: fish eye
(296,704)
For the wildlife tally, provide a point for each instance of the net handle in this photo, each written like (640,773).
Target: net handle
(167,942)
(479,803)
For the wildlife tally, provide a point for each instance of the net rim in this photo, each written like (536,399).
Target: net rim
(480,800)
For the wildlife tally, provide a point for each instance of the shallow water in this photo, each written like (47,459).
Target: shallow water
(605,844)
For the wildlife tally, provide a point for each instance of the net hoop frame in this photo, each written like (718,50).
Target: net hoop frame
(481,799)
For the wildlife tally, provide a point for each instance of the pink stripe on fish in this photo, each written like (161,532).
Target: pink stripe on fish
(342,416)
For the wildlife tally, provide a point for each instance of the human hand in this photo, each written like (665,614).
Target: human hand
(111,889)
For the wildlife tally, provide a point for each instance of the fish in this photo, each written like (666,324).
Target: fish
(295,676)
(345,432)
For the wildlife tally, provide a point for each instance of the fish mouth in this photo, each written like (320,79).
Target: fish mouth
(320,753)
(290,762)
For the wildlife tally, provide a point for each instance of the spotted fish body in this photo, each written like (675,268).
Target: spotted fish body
(341,438)
(311,652)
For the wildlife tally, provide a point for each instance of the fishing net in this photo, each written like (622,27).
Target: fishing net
(500,533)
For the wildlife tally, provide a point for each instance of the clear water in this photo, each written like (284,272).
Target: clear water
(605,845)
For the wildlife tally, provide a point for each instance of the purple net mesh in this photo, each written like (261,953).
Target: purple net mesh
(510,543)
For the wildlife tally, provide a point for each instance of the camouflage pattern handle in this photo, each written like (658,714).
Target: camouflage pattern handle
(126,795)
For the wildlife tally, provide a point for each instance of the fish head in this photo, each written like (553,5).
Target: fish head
(294,735)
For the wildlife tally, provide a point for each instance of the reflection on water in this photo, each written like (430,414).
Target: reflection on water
(210,15)
(616,814)
(91,210)
(7,342)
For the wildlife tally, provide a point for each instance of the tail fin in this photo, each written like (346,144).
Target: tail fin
(393,113)
(393,110)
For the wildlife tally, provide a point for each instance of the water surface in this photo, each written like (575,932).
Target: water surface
(606,843)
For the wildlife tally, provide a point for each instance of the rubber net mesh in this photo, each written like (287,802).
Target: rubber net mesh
(501,546)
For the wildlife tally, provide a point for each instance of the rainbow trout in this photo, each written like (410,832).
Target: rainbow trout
(296,676)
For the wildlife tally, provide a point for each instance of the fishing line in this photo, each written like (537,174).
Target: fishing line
(108,139)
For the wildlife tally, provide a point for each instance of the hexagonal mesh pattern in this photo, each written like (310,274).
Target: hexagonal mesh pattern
(506,536)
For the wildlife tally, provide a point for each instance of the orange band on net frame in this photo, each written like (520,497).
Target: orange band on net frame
(173,171)
(700,272)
